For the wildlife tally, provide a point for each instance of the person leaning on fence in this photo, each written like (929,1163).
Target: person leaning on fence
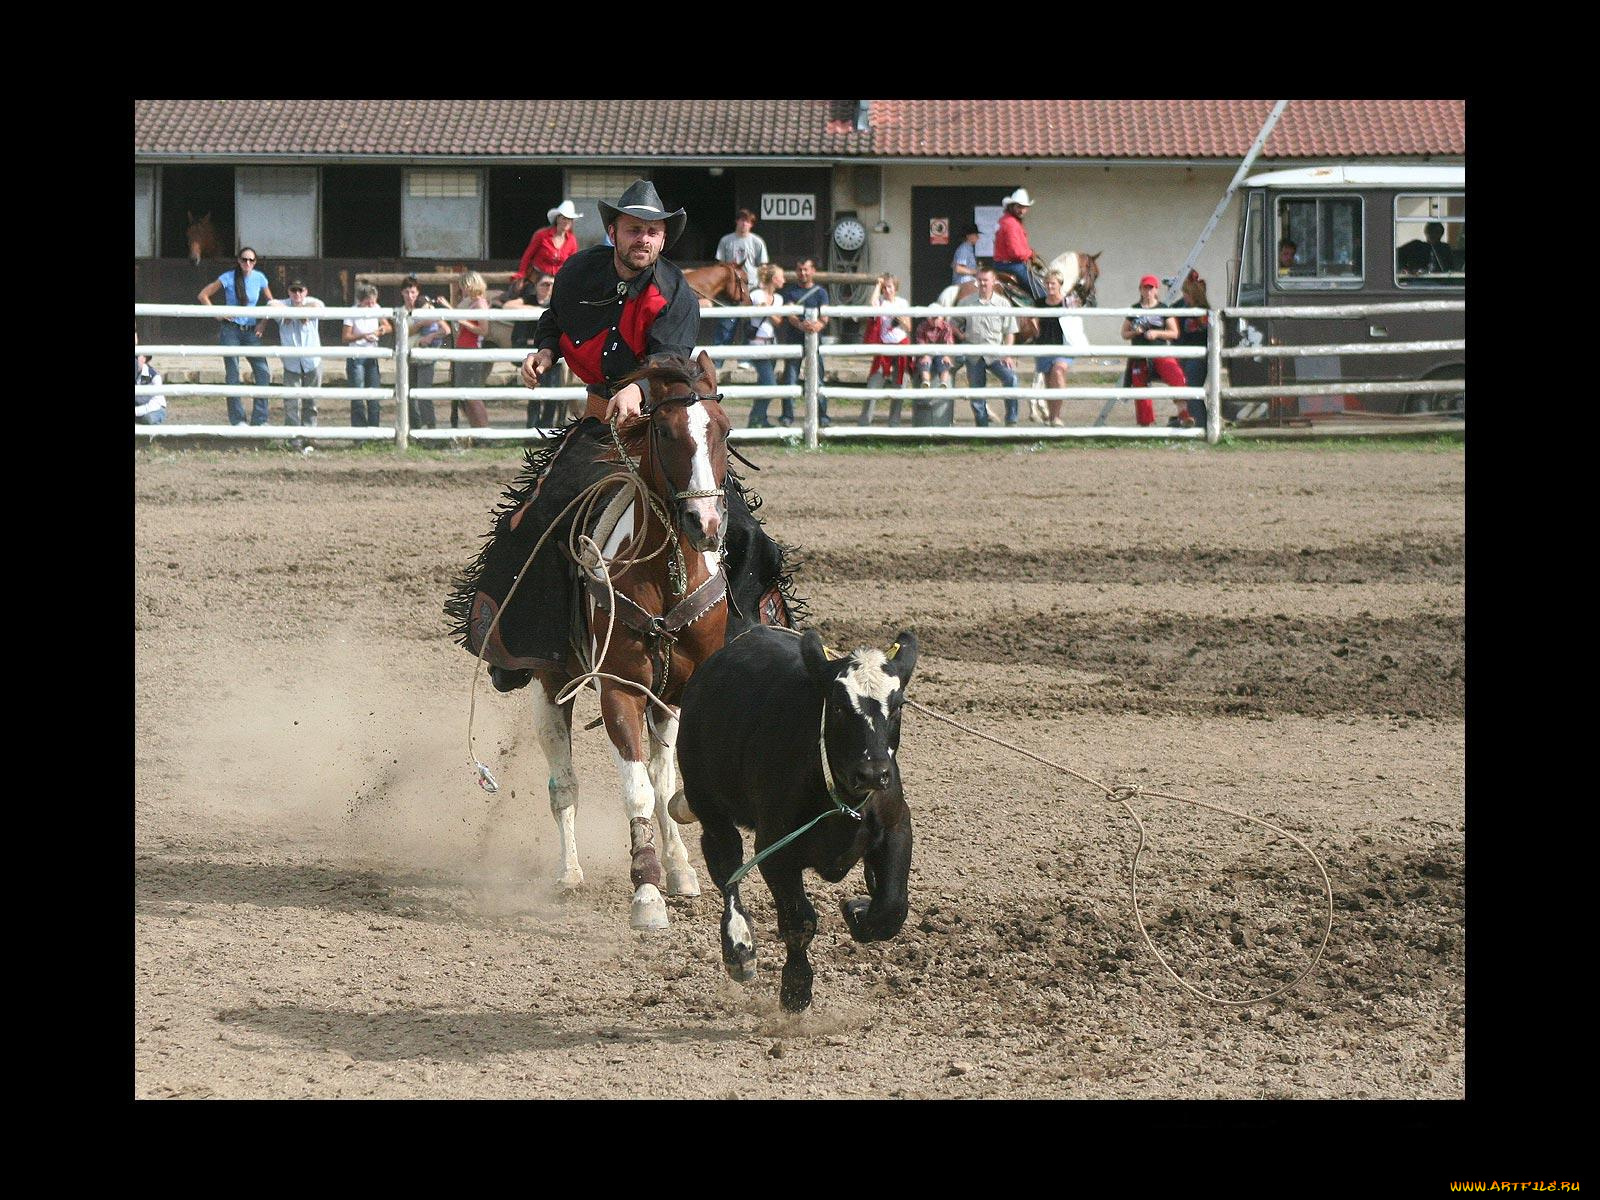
(887,330)
(806,292)
(1192,332)
(1057,331)
(934,331)
(300,372)
(1149,329)
(469,336)
(147,410)
(243,286)
(425,331)
(989,328)
(749,251)
(363,333)
(763,332)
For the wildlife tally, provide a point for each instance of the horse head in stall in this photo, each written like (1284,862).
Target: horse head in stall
(202,238)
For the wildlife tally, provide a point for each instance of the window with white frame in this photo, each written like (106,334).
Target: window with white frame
(1319,243)
(1430,240)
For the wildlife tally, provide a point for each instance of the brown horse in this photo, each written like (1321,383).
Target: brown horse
(719,279)
(203,239)
(656,605)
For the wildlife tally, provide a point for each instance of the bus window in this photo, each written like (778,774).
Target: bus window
(1430,240)
(1319,242)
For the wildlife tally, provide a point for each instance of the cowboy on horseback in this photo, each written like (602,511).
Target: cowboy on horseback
(613,310)
(1012,253)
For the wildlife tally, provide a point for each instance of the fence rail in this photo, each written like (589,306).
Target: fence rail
(812,355)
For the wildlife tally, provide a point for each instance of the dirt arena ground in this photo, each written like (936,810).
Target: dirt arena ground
(327,906)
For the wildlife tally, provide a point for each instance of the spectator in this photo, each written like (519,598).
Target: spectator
(243,286)
(934,331)
(811,295)
(300,372)
(542,414)
(964,266)
(1192,332)
(469,336)
(425,331)
(989,328)
(1057,331)
(887,330)
(1012,253)
(147,410)
(520,293)
(740,246)
(363,333)
(1147,330)
(763,332)
(1287,252)
(551,246)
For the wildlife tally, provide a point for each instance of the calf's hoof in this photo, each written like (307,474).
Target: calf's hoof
(868,926)
(678,809)
(649,910)
(795,996)
(741,964)
(682,881)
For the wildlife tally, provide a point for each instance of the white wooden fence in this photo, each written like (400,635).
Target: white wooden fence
(812,353)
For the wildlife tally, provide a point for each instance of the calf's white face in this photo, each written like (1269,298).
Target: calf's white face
(867,679)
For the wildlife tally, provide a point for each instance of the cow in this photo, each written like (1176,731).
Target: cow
(779,738)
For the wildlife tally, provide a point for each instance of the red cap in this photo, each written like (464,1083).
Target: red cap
(1150,280)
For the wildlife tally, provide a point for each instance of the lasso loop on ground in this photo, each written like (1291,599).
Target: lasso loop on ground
(1123,794)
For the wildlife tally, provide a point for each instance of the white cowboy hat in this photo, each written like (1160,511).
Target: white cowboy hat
(564,209)
(1020,196)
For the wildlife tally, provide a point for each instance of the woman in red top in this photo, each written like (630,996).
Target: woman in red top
(552,245)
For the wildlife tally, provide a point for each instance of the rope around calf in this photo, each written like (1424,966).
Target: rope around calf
(1122,795)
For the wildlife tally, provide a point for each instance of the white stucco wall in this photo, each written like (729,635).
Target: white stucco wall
(1143,219)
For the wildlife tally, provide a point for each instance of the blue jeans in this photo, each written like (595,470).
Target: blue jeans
(978,376)
(1195,371)
(237,335)
(363,372)
(155,417)
(791,376)
(1019,271)
(724,332)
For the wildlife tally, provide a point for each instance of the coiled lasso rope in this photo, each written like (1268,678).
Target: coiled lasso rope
(1122,795)
(583,550)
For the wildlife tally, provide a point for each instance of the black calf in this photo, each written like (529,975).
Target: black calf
(755,719)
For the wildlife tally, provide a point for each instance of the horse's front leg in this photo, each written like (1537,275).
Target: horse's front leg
(623,710)
(552,723)
(681,877)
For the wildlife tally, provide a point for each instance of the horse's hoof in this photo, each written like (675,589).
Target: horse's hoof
(649,909)
(678,809)
(571,881)
(682,882)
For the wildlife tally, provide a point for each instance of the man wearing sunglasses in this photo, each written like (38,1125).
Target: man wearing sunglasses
(243,286)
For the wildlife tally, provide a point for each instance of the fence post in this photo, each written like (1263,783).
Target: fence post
(813,366)
(402,378)
(1213,376)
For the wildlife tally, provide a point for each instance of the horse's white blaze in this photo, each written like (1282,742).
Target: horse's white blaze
(867,680)
(738,930)
(701,478)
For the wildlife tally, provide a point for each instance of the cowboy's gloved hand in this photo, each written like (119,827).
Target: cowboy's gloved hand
(626,403)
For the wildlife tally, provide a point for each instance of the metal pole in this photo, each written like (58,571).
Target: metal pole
(1213,377)
(402,382)
(1176,287)
(813,364)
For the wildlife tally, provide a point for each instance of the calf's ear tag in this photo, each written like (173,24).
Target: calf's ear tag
(893,650)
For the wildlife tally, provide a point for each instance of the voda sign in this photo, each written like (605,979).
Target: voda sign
(788,207)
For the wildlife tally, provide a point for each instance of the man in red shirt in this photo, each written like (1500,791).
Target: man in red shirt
(1011,250)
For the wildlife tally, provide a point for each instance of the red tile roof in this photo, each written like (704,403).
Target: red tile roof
(899,129)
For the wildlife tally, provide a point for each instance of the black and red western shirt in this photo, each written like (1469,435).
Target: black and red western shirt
(606,327)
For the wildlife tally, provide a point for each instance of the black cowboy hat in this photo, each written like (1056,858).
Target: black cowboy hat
(641,200)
